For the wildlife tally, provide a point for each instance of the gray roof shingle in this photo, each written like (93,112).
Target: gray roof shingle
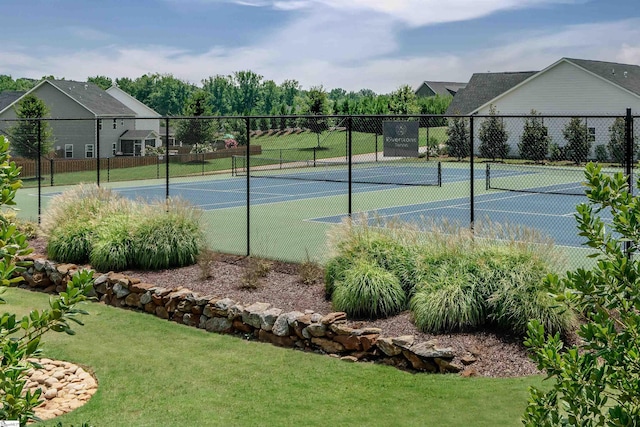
(445,88)
(93,98)
(138,134)
(482,88)
(8,97)
(624,75)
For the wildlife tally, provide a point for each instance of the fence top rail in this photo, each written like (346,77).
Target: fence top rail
(354,116)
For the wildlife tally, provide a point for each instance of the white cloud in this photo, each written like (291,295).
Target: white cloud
(87,33)
(418,12)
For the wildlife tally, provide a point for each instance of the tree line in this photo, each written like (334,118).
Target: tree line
(248,93)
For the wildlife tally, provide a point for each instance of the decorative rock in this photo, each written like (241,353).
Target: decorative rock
(161,312)
(235,311)
(429,351)
(388,347)
(445,366)
(350,342)
(328,346)
(268,318)
(468,359)
(335,317)
(274,339)
(72,387)
(349,358)
(218,324)
(145,298)
(281,325)
(368,341)
(367,331)
(405,341)
(316,329)
(341,329)
(251,314)
(418,363)
(121,290)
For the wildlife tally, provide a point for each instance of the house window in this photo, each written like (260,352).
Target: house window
(88,151)
(99,124)
(114,149)
(115,124)
(592,134)
(68,151)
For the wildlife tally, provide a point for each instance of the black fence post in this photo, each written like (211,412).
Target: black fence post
(39,172)
(97,153)
(350,161)
(628,158)
(471,177)
(248,131)
(166,155)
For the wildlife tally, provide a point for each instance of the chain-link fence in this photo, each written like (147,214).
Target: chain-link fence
(275,186)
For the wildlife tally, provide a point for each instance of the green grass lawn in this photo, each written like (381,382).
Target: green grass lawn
(152,372)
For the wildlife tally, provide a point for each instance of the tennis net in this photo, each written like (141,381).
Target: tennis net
(416,172)
(540,179)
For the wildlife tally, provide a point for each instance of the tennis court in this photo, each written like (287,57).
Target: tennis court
(290,210)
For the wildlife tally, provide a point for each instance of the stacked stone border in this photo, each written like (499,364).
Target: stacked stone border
(308,331)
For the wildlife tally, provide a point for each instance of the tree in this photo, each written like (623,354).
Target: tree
(316,105)
(535,139)
(596,382)
(617,145)
(24,133)
(103,82)
(246,91)
(403,101)
(458,138)
(195,131)
(220,90)
(579,143)
(290,89)
(493,137)
(20,337)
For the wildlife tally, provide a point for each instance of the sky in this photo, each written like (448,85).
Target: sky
(352,44)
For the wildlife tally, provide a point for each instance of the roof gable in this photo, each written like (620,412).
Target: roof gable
(93,98)
(483,88)
(141,109)
(626,76)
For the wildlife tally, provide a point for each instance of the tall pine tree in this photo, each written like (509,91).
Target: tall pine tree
(24,134)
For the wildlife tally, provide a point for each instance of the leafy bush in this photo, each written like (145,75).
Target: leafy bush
(71,242)
(20,338)
(597,382)
(368,291)
(334,271)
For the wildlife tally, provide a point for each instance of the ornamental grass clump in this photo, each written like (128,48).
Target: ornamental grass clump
(452,279)
(90,224)
(168,234)
(368,291)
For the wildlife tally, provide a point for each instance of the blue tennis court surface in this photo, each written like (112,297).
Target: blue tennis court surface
(551,214)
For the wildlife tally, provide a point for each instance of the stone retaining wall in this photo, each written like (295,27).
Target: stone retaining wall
(310,331)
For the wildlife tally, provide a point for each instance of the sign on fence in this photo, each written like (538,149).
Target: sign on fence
(400,138)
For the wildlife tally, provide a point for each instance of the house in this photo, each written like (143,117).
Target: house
(89,122)
(569,87)
(429,88)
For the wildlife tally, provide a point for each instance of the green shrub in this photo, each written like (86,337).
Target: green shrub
(71,242)
(520,296)
(112,248)
(368,291)
(334,270)
(167,235)
(596,382)
(448,301)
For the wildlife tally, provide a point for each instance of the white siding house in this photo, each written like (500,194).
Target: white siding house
(146,117)
(569,87)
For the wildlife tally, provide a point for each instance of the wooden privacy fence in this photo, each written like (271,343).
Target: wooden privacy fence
(48,166)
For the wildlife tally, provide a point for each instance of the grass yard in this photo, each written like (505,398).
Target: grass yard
(153,372)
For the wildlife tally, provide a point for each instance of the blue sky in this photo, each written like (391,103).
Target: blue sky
(353,44)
